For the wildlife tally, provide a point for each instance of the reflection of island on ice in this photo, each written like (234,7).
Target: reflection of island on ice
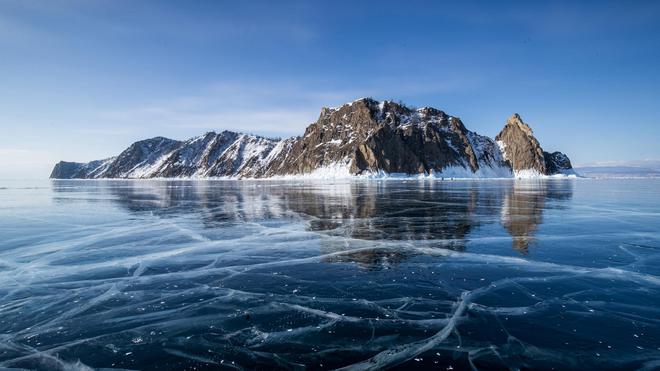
(440,214)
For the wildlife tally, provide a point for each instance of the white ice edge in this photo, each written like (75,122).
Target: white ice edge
(381,176)
(341,171)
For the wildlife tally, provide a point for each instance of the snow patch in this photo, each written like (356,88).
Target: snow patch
(337,170)
(535,174)
(502,147)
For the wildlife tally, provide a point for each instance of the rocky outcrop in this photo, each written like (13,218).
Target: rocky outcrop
(523,153)
(77,170)
(365,137)
(521,150)
(557,163)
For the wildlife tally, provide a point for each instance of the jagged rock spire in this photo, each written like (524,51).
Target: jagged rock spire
(521,149)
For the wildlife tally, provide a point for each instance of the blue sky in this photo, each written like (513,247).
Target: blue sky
(82,80)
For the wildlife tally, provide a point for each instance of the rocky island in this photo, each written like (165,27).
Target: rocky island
(363,138)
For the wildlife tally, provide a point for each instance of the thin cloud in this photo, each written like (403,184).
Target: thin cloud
(265,108)
(645,163)
(151,21)
(273,109)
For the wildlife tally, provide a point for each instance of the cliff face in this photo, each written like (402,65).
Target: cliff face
(557,163)
(360,138)
(367,137)
(523,152)
(76,170)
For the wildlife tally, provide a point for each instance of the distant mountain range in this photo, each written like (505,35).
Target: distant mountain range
(648,168)
(362,138)
(618,172)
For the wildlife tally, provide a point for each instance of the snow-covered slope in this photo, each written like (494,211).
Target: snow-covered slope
(226,154)
(216,155)
(363,138)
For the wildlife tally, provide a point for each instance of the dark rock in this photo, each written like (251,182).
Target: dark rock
(557,162)
(67,170)
(368,136)
(77,170)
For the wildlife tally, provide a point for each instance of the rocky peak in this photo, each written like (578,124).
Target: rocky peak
(387,136)
(367,111)
(516,121)
(558,163)
(520,148)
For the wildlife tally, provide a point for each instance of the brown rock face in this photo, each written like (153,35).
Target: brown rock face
(521,150)
(370,136)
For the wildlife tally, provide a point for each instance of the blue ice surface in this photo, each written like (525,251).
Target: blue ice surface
(366,274)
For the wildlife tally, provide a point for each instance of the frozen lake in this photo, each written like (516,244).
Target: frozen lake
(368,274)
